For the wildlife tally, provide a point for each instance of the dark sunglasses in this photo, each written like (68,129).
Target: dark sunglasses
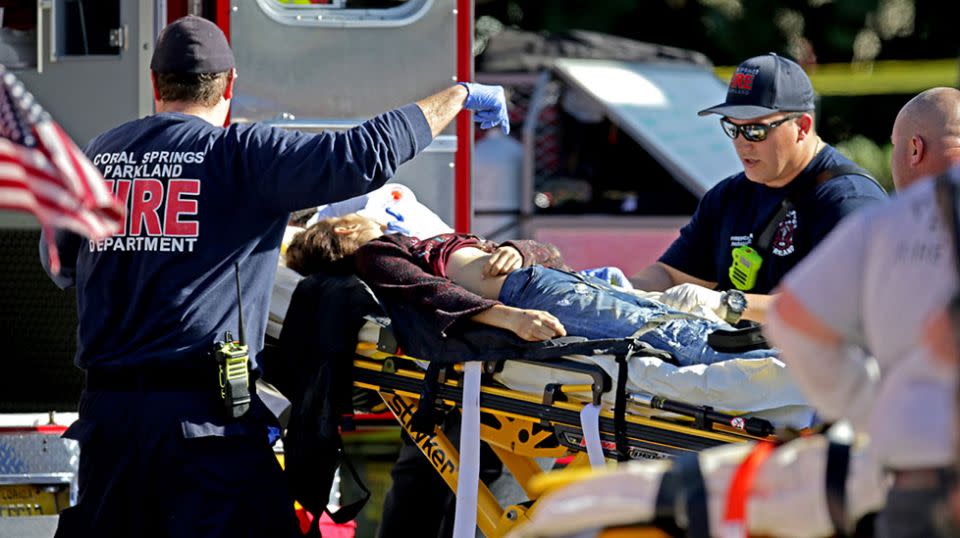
(753,132)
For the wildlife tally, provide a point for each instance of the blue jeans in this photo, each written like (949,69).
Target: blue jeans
(591,308)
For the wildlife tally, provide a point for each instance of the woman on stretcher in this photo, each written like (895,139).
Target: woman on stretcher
(521,286)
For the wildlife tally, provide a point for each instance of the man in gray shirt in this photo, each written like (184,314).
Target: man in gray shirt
(851,313)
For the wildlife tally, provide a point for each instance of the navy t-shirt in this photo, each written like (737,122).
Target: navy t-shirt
(735,212)
(199,199)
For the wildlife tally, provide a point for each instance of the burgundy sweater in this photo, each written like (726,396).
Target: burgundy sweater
(403,269)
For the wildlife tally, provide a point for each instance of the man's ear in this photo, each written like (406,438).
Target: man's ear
(805,123)
(153,82)
(231,78)
(917,149)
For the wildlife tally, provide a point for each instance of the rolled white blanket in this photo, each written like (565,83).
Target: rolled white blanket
(788,496)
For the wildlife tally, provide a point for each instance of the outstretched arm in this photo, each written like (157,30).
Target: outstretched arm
(293,169)
(440,108)
(531,325)
(487,102)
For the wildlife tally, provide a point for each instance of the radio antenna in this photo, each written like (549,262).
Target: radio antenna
(236,266)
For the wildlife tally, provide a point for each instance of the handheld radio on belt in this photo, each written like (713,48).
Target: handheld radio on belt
(233,366)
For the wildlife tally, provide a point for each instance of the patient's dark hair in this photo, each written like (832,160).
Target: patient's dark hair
(320,249)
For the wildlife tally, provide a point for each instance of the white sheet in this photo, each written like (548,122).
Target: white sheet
(746,385)
(787,497)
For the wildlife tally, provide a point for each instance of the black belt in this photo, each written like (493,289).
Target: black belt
(739,340)
(918,479)
(133,379)
(838,469)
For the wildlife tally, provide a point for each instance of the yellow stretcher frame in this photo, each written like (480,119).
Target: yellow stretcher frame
(518,427)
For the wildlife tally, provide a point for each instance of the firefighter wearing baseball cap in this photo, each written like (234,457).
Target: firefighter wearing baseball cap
(753,227)
(172,442)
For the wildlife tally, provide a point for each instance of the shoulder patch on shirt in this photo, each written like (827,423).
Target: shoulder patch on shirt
(782,244)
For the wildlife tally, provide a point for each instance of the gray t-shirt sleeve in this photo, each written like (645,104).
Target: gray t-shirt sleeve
(829,281)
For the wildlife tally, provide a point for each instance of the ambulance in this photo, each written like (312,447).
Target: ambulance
(325,65)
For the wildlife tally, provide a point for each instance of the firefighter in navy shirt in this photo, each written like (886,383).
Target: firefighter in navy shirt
(162,452)
(743,237)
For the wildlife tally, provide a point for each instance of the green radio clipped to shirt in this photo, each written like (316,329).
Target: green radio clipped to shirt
(745,267)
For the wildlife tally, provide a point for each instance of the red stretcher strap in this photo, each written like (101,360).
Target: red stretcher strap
(735,516)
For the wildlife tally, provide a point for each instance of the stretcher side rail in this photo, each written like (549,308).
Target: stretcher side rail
(648,439)
(704,416)
(667,436)
(600,385)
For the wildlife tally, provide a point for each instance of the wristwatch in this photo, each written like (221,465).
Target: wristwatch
(733,303)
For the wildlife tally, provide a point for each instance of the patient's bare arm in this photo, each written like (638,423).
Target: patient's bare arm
(531,325)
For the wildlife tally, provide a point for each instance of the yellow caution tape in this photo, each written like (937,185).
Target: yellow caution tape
(877,78)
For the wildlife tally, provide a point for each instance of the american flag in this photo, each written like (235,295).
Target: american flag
(42,171)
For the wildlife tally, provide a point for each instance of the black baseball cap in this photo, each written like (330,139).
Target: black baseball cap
(763,85)
(192,45)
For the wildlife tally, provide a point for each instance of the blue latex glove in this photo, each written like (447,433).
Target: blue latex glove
(488,104)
